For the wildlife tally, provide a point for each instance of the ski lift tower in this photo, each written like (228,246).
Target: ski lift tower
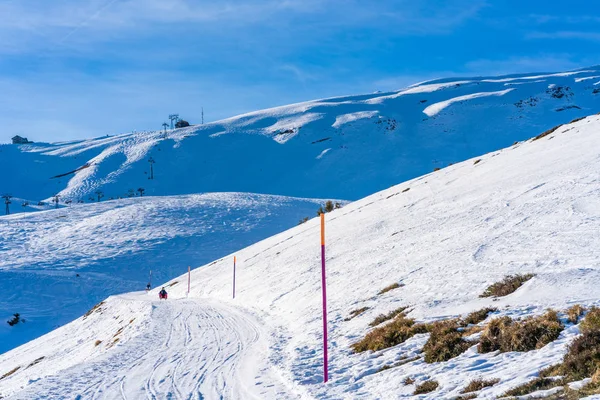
(174,118)
(7,201)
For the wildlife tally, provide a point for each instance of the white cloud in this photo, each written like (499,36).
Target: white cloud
(577,35)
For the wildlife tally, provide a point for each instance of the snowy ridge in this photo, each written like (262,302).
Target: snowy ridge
(530,208)
(417,129)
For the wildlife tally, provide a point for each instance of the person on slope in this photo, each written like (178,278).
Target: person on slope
(162,294)
(148,286)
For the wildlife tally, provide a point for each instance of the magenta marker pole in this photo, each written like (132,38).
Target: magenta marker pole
(324,285)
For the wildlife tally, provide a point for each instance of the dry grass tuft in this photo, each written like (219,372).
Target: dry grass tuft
(479,384)
(591,322)
(9,373)
(477,161)
(36,361)
(408,381)
(97,343)
(388,288)
(445,341)
(574,313)
(534,386)
(96,308)
(356,313)
(551,371)
(402,361)
(426,387)
(477,316)
(546,133)
(392,334)
(469,396)
(386,317)
(531,333)
(583,356)
(506,286)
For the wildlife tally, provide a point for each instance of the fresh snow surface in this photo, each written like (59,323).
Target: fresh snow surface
(274,151)
(530,208)
(438,107)
(113,245)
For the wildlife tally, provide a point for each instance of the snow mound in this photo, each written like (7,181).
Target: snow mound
(435,109)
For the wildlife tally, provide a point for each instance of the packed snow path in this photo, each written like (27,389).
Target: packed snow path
(191,349)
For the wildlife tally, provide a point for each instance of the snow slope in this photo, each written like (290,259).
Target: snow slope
(56,264)
(530,208)
(282,150)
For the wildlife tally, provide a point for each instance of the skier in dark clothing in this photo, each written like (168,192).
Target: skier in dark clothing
(148,286)
(162,294)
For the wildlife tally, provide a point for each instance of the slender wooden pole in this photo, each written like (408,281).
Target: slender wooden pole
(324,286)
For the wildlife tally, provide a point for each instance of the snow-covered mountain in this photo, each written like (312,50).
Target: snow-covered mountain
(443,238)
(345,147)
(56,264)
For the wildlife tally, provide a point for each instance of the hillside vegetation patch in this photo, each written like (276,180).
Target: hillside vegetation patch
(479,384)
(356,313)
(390,287)
(426,387)
(505,334)
(391,334)
(445,341)
(506,286)
(480,315)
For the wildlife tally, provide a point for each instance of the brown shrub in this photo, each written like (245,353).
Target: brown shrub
(506,286)
(546,133)
(97,307)
(356,313)
(97,343)
(402,361)
(386,317)
(467,397)
(9,373)
(534,386)
(477,316)
(583,356)
(574,313)
(591,322)
(426,387)
(408,381)
(36,361)
(445,341)
(532,333)
(388,288)
(392,334)
(479,384)
(553,370)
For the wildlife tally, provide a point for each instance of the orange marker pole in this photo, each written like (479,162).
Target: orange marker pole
(234,277)
(324,286)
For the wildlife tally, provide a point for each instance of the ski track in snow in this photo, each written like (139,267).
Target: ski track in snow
(192,349)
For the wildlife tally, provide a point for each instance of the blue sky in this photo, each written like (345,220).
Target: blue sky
(82,68)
